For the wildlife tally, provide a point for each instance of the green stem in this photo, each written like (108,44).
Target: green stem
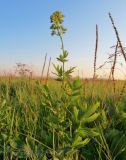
(61,39)
(62,43)
(53,143)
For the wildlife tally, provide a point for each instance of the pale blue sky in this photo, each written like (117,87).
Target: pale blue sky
(25,31)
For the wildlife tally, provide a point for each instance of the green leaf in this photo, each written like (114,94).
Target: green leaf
(75,111)
(76,93)
(87,132)
(92,109)
(90,119)
(79,144)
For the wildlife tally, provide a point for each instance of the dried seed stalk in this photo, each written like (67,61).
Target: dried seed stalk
(48,70)
(95,55)
(113,67)
(43,68)
(117,35)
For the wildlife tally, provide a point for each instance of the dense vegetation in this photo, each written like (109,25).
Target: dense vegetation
(65,119)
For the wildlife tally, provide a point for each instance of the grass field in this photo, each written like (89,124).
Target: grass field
(86,121)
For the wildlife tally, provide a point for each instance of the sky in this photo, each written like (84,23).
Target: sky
(25,34)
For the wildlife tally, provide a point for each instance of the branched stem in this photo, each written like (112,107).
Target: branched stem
(117,35)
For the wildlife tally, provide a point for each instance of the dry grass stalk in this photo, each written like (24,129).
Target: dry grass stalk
(95,55)
(122,51)
(43,68)
(114,62)
(47,77)
(117,35)
(113,67)
(95,60)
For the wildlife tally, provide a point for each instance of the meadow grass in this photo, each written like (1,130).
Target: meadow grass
(29,128)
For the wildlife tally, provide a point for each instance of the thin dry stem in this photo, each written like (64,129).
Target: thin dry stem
(47,77)
(95,55)
(43,68)
(117,36)
(112,73)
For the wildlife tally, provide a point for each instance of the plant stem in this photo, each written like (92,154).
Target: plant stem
(43,67)
(53,143)
(62,48)
(95,56)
